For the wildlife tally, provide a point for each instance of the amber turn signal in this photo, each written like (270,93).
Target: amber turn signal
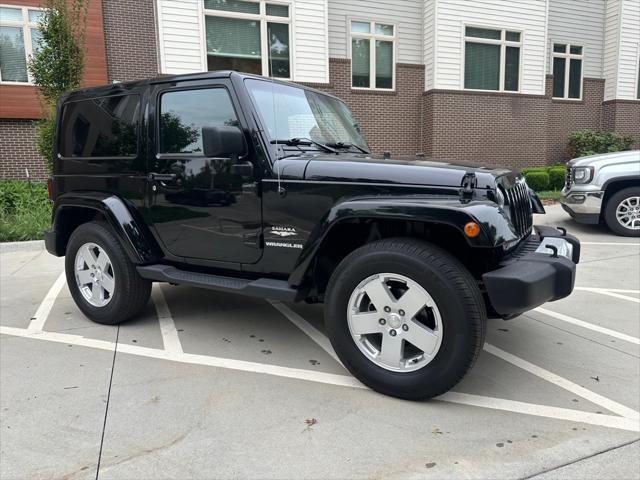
(472,229)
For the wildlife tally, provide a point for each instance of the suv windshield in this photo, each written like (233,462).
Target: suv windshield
(295,113)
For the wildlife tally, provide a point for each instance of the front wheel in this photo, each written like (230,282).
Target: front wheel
(103,281)
(405,317)
(622,213)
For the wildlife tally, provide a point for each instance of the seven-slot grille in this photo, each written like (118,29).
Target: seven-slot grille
(520,208)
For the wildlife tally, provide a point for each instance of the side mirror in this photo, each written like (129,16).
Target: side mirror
(223,142)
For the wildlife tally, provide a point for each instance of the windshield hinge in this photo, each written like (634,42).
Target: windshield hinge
(469,182)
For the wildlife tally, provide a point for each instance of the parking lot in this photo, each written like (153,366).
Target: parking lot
(211,385)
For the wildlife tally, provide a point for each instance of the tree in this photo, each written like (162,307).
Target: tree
(57,63)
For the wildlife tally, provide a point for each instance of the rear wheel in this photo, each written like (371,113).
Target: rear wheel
(405,317)
(622,213)
(103,281)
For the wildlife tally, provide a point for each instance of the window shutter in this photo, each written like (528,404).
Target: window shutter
(232,37)
(482,66)
(13,61)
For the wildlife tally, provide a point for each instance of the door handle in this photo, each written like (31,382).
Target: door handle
(162,177)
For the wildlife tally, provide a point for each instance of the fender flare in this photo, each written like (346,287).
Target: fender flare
(495,227)
(132,232)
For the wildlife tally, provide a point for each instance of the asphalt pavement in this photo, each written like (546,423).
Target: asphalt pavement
(211,385)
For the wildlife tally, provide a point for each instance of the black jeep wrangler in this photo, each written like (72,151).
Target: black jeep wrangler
(237,183)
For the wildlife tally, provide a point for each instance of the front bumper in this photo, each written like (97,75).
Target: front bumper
(541,270)
(583,206)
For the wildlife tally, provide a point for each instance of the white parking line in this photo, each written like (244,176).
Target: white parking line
(40,317)
(609,421)
(170,337)
(589,326)
(550,377)
(610,293)
(307,328)
(563,383)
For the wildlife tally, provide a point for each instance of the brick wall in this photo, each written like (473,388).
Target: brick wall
(130,37)
(622,116)
(17,151)
(566,116)
(389,120)
(485,128)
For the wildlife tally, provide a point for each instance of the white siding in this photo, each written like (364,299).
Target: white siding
(180,35)
(310,41)
(610,51)
(528,16)
(429,44)
(405,14)
(578,22)
(629,50)
(182,43)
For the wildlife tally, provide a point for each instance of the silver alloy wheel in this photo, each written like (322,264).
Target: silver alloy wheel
(94,274)
(394,322)
(628,213)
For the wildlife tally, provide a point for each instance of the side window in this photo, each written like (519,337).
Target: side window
(101,127)
(184,113)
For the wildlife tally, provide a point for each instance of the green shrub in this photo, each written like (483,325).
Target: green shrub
(591,142)
(534,169)
(556,177)
(25,211)
(538,181)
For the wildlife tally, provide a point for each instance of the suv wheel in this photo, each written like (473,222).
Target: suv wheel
(103,281)
(622,213)
(405,317)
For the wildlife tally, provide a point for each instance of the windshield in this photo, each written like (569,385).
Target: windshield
(301,113)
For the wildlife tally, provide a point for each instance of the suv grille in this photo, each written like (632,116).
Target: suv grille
(568,178)
(520,208)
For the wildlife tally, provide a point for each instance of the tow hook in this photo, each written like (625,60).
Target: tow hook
(563,231)
(553,249)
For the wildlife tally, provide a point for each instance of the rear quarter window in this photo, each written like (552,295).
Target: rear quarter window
(100,127)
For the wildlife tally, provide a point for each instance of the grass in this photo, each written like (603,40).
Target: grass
(549,195)
(25,211)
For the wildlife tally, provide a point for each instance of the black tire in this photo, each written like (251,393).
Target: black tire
(452,288)
(611,208)
(131,292)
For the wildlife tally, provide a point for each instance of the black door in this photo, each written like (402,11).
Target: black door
(199,207)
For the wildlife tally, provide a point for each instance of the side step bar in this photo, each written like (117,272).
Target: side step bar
(262,287)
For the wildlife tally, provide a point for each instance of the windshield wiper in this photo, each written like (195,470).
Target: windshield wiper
(346,145)
(304,141)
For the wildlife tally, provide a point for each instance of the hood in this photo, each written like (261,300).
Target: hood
(369,168)
(607,159)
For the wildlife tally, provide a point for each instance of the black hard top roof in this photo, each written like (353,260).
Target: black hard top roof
(124,86)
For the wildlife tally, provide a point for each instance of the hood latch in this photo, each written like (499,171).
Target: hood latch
(469,183)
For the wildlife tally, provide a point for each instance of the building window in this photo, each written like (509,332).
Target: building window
(492,59)
(250,36)
(567,71)
(372,55)
(19,36)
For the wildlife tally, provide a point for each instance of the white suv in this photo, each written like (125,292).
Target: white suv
(605,187)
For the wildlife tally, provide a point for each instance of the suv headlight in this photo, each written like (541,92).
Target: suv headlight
(582,175)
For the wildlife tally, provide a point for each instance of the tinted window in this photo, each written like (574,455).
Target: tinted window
(101,127)
(184,113)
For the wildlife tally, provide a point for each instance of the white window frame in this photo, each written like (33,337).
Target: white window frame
(372,37)
(503,43)
(567,68)
(26,35)
(264,19)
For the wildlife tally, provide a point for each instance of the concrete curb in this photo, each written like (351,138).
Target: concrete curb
(30,246)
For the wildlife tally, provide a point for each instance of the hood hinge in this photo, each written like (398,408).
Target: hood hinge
(469,182)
